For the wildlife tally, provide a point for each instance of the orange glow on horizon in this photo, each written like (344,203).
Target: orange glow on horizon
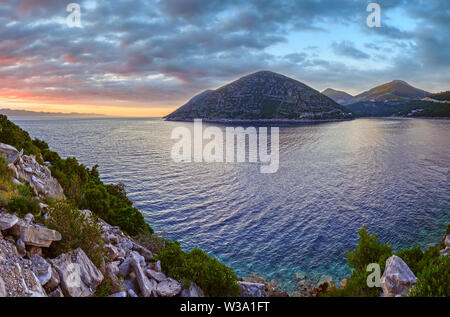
(14,102)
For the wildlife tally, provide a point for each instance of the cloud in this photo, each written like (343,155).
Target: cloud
(348,48)
(163,52)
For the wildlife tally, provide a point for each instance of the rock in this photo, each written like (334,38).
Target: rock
(20,246)
(17,182)
(79,276)
(35,250)
(7,150)
(145,286)
(112,238)
(343,283)
(3,292)
(120,294)
(131,293)
(112,252)
(54,281)
(168,288)
(249,289)
(125,267)
(14,158)
(158,276)
(447,241)
(7,220)
(33,234)
(155,266)
(29,218)
(147,254)
(56,293)
(130,284)
(397,277)
(445,251)
(111,273)
(193,291)
(41,268)
(38,176)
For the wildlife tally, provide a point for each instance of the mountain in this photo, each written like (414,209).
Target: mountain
(341,97)
(28,113)
(263,95)
(396,90)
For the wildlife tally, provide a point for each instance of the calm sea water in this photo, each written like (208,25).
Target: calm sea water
(390,174)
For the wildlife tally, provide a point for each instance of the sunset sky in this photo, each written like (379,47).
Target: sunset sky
(146,58)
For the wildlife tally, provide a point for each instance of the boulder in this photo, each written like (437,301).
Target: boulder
(29,218)
(20,246)
(145,286)
(193,291)
(249,289)
(147,254)
(7,150)
(131,293)
(53,283)
(34,234)
(125,267)
(79,276)
(7,221)
(155,266)
(3,292)
(158,276)
(56,293)
(168,288)
(397,277)
(120,294)
(112,252)
(38,176)
(41,268)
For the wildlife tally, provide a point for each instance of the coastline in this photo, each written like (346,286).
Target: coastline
(259,121)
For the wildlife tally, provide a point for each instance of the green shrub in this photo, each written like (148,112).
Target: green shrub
(434,279)
(418,260)
(213,277)
(13,135)
(369,250)
(77,231)
(23,205)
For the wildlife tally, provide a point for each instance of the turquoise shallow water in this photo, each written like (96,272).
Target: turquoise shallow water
(390,174)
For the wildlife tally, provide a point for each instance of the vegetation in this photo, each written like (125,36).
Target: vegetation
(77,231)
(213,277)
(369,250)
(444,95)
(434,279)
(432,270)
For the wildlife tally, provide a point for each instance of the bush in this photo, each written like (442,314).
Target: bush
(369,250)
(77,231)
(434,280)
(213,277)
(418,260)
(22,206)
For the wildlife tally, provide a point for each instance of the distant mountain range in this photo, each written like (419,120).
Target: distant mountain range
(396,90)
(28,113)
(262,95)
(341,97)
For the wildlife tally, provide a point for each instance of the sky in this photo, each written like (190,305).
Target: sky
(148,57)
